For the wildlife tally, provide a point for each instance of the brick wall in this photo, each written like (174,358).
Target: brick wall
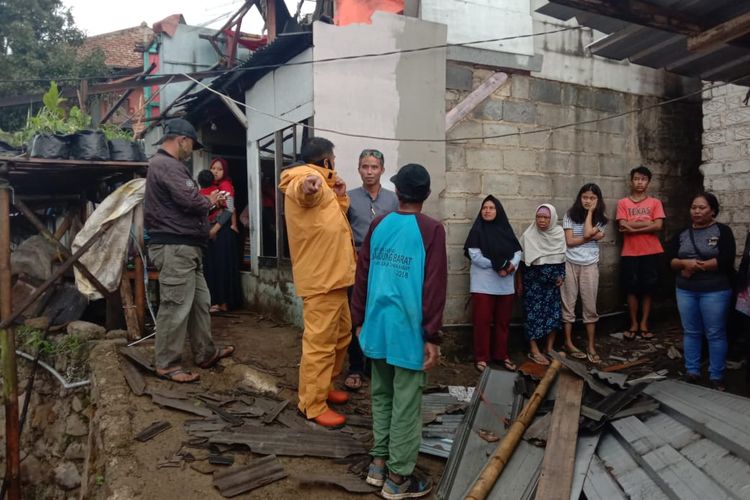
(119,46)
(726,155)
(526,170)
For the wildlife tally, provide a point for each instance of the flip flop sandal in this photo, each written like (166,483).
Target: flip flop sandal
(357,385)
(221,352)
(647,335)
(576,353)
(538,359)
(510,365)
(593,358)
(480,366)
(630,335)
(171,375)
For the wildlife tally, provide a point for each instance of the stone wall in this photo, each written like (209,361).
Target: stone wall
(726,154)
(529,169)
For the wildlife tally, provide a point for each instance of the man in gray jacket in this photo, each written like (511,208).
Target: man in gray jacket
(176,218)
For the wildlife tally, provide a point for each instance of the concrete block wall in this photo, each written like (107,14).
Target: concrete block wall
(726,154)
(527,169)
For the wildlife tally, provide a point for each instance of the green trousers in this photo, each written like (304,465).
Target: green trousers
(396,415)
(183,305)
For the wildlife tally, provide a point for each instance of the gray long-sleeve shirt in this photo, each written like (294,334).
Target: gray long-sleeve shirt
(363,210)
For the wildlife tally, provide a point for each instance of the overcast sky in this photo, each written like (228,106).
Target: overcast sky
(97,16)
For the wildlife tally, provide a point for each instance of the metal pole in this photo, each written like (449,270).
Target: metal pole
(8,348)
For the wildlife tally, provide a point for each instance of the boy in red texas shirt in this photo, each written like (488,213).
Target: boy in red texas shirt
(640,218)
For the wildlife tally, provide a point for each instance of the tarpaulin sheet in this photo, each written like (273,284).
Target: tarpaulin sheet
(106,257)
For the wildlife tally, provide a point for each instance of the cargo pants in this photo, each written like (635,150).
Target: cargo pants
(183,305)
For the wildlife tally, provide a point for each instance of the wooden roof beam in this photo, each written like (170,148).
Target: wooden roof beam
(720,34)
(637,12)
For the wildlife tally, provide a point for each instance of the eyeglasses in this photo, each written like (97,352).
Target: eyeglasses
(371,152)
(372,210)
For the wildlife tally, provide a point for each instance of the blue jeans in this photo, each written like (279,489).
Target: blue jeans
(705,313)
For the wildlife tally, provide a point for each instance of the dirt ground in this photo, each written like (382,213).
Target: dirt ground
(132,471)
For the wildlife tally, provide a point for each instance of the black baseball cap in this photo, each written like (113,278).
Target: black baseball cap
(413,182)
(180,126)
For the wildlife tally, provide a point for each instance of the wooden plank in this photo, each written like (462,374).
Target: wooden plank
(139,286)
(720,34)
(128,307)
(720,424)
(585,449)
(133,377)
(678,477)
(599,484)
(556,476)
(463,108)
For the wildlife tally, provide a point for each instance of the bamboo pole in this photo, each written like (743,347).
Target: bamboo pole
(8,348)
(495,465)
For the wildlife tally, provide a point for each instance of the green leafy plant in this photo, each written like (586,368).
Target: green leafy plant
(69,344)
(112,132)
(33,340)
(52,118)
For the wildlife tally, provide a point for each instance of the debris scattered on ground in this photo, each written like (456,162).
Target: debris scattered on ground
(658,443)
(488,436)
(673,353)
(259,472)
(152,430)
(349,483)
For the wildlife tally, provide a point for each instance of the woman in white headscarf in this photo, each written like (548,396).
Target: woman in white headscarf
(543,245)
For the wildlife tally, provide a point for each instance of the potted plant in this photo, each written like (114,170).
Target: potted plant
(57,134)
(122,147)
(47,129)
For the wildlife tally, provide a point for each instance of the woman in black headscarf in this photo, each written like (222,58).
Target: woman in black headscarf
(495,253)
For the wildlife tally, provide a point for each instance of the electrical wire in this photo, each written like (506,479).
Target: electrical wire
(471,138)
(326,60)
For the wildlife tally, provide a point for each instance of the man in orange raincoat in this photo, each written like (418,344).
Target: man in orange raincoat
(323,264)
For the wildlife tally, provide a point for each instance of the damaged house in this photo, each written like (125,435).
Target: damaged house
(528,114)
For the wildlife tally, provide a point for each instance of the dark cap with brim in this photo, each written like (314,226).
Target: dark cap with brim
(412,181)
(180,127)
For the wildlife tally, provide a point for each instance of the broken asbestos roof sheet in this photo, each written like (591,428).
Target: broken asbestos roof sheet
(695,446)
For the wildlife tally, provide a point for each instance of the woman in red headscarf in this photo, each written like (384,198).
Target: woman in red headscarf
(221,263)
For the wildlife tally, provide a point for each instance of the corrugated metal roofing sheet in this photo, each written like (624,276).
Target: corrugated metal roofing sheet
(661,49)
(241,78)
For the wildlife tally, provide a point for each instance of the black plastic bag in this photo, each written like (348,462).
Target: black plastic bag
(89,145)
(50,146)
(7,149)
(124,150)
